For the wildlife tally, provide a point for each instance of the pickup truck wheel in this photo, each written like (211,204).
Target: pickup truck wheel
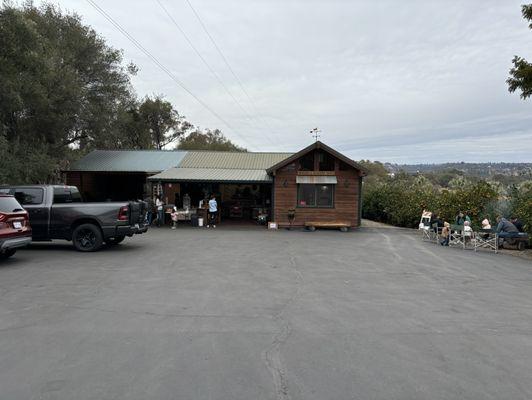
(7,254)
(115,240)
(87,237)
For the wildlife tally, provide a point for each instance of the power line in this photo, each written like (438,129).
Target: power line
(228,65)
(161,66)
(211,70)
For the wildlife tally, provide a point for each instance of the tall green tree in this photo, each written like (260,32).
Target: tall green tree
(63,91)
(375,169)
(521,73)
(208,140)
(162,121)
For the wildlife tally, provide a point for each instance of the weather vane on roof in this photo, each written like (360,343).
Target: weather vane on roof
(315,133)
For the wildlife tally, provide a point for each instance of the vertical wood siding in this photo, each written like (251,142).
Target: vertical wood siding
(346,199)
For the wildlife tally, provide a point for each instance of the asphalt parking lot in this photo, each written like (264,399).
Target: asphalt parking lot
(255,314)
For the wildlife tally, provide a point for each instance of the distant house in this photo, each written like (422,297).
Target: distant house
(319,183)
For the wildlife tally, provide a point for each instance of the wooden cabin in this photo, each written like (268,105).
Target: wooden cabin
(317,185)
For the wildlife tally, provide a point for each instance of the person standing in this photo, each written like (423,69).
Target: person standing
(213,211)
(445,234)
(173,216)
(160,211)
(468,231)
(436,223)
(460,219)
(150,207)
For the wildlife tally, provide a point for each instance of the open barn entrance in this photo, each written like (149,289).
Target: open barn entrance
(109,186)
(238,203)
(245,202)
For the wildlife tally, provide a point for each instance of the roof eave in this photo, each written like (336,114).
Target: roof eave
(104,171)
(315,146)
(211,181)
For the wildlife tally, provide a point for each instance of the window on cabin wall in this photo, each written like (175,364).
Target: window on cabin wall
(325,161)
(306,163)
(315,196)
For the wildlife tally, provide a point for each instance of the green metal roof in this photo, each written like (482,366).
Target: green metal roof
(231,160)
(154,161)
(151,161)
(219,166)
(212,175)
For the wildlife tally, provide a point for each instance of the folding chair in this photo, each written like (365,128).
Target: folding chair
(456,236)
(424,226)
(486,238)
(427,233)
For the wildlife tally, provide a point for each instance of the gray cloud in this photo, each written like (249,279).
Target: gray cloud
(383,80)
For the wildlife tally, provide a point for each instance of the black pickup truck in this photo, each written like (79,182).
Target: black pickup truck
(58,212)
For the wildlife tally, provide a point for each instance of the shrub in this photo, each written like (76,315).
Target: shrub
(400,201)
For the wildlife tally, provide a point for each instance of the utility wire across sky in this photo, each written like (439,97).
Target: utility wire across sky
(156,61)
(239,81)
(212,71)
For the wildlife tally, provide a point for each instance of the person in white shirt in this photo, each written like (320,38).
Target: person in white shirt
(173,216)
(213,210)
(468,231)
(160,212)
(486,225)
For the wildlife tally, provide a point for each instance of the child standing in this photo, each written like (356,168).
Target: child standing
(173,215)
(468,231)
(445,233)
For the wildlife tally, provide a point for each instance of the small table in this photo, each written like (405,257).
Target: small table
(182,214)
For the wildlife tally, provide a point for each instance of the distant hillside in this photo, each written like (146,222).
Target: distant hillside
(482,170)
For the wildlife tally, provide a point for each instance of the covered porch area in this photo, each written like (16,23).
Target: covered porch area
(244,197)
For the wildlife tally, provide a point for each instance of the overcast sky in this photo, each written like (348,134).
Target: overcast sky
(399,80)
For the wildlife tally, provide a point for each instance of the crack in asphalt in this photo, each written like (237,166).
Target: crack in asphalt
(272,355)
(166,314)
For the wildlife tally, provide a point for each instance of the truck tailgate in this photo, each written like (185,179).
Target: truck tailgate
(137,212)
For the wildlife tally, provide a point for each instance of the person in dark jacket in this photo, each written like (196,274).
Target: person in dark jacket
(460,219)
(150,208)
(517,223)
(505,228)
(436,220)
